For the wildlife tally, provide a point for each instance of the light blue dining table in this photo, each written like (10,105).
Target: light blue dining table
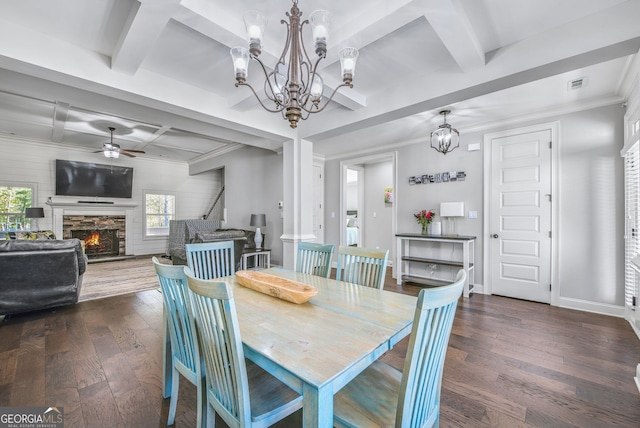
(319,346)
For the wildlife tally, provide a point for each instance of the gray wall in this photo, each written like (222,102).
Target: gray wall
(590,203)
(253,184)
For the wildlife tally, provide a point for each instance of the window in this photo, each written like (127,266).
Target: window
(13,201)
(160,208)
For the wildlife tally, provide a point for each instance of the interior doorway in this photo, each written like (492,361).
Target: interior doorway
(367,219)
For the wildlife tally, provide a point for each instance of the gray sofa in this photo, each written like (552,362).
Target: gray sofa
(39,274)
(243,240)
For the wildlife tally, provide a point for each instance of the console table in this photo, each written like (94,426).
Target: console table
(464,257)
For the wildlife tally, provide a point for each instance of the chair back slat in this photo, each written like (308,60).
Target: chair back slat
(362,266)
(222,353)
(184,345)
(419,401)
(314,259)
(211,260)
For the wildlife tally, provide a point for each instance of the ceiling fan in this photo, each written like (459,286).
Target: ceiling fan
(113,150)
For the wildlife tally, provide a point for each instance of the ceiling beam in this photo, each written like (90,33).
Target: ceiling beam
(450,22)
(60,114)
(144,25)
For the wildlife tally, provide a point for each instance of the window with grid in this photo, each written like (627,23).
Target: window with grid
(160,208)
(14,200)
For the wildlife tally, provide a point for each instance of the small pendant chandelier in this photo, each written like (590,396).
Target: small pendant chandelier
(294,86)
(445,139)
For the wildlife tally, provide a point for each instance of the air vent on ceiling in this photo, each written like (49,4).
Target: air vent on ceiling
(577,83)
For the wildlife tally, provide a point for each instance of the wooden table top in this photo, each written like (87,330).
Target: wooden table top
(322,339)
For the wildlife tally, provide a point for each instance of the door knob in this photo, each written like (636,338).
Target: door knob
(495,235)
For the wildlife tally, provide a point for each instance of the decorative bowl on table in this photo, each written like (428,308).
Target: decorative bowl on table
(282,288)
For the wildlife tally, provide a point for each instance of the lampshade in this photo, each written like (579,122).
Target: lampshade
(258,220)
(34,212)
(452,209)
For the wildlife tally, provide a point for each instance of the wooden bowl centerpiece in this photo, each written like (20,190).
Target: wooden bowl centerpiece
(282,288)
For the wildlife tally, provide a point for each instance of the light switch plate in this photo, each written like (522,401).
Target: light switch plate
(473,214)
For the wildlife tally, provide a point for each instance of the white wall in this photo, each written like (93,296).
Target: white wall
(30,162)
(591,202)
(378,232)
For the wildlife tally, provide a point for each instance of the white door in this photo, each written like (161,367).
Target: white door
(520,221)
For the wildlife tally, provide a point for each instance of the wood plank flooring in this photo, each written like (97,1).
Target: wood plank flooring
(510,363)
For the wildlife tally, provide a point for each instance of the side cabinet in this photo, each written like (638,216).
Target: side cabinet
(416,254)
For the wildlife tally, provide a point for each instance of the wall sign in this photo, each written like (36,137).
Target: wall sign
(440,177)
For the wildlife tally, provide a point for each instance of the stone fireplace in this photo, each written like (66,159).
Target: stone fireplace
(111,222)
(103,235)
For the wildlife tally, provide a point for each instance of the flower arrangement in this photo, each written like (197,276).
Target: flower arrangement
(424,217)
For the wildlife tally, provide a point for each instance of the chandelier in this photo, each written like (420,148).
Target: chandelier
(294,86)
(445,139)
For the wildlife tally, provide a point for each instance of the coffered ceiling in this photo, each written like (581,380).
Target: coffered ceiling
(159,71)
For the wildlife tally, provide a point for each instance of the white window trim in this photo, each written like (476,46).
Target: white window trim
(145,236)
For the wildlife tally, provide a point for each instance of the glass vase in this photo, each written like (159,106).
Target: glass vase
(425,228)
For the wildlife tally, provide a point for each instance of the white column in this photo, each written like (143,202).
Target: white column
(298,198)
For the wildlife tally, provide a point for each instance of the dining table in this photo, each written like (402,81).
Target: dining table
(317,347)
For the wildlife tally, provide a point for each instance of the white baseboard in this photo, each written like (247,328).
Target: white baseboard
(587,306)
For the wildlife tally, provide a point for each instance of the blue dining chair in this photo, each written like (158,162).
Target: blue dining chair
(185,358)
(314,259)
(211,260)
(242,393)
(381,396)
(362,266)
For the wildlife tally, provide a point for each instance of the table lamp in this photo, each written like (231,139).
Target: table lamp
(258,221)
(449,211)
(34,213)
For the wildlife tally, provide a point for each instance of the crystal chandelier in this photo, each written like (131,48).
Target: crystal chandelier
(445,139)
(294,86)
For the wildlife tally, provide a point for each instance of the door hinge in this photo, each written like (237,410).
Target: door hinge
(550,144)
(549,234)
(549,287)
(633,301)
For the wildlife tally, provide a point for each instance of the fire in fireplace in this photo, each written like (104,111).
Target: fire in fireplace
(99,243)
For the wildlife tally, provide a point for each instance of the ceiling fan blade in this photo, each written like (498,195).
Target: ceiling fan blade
(98,151)
(132,151)
(124,152)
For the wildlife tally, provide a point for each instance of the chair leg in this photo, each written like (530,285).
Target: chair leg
(211,414)
(173,404)
(202,415)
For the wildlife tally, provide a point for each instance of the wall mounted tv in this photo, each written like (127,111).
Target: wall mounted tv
(75,178)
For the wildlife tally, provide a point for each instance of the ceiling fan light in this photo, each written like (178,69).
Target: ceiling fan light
(111,154)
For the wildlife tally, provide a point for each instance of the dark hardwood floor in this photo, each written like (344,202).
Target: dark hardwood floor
(510,363)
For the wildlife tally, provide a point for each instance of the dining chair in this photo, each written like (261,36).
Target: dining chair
(210,260)
(240,392)
(314,259)
(382,396)
(185,357)
(362,266)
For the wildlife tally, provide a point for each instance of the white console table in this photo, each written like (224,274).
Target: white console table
(463,259)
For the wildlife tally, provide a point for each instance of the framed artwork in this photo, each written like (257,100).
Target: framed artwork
(388,195)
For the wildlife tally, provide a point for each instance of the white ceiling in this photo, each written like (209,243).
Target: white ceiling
(159,71)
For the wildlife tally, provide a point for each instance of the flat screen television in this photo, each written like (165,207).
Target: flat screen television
(75,178)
